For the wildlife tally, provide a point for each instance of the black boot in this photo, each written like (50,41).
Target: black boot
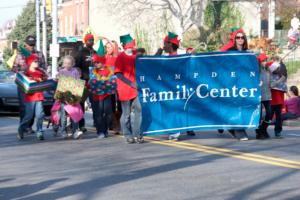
(259,134)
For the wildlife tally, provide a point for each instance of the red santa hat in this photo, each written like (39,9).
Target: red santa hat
(30,59)
(261,57)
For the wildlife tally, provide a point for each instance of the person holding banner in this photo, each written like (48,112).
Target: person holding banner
(171,44)
(239,44)
(127,91)
(33,101)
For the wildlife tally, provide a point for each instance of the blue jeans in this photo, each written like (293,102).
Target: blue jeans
(131,118)
(103,114)
(288,115)
(63,119)
(31,109)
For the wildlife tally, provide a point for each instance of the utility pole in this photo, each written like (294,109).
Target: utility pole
(54,47)
(271,24)
(37,12)
(44,21)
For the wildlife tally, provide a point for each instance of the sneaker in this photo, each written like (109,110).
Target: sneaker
(244,139)
(220,131)
(77,134)
(173,138)
(101,135)
(191,133)
(278,136)
(29,131)
(20,135)
(130,140)
(140,140)
(40,136)
(241,135)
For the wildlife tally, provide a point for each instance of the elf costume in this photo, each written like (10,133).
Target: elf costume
(127,91)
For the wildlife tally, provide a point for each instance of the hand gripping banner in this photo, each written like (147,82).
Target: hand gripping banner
(198,92)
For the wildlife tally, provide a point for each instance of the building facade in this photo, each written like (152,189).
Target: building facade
(73,17)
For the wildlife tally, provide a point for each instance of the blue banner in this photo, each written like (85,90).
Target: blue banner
(196,92)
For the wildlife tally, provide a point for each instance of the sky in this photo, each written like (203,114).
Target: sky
(10,9)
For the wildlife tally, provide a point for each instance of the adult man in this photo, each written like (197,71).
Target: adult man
(20,66)
(127,92)
(83,61)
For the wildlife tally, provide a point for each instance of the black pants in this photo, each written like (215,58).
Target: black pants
(103,114)
(268,117)
(276,109)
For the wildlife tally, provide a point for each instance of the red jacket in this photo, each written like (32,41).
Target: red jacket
(36,96)
(125,65)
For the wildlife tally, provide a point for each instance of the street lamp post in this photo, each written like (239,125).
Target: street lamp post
(37,17)
(271,24)
(54,47)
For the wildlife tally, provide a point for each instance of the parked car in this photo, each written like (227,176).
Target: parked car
(9,96)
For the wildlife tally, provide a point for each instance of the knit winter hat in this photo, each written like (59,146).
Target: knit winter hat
(88,37)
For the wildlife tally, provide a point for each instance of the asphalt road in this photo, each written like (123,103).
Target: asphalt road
(207,166)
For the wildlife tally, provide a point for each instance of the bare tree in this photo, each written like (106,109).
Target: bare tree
(187,12)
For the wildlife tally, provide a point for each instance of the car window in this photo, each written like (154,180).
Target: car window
(7,76)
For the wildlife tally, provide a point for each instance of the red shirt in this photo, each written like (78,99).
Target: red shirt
(36,96)
(110,60)
(277,97)
(125,64)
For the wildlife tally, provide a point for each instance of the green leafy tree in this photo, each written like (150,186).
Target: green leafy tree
(219,17)
(26,25)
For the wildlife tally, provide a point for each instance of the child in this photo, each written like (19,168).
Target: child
(62,108)
(102,101)
(261,132)
(33,101)
(278,88)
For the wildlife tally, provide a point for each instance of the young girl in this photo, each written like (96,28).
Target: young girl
(101,96)
(292,104)
(33,101)
(62,108)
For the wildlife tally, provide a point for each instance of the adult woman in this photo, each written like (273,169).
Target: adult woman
(292,104)
(239,44)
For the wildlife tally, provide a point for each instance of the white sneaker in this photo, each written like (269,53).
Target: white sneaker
(77,134)
(101,136)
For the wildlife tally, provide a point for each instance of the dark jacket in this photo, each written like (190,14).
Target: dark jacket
(83,61)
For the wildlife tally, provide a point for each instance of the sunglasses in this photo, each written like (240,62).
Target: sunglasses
(240,37)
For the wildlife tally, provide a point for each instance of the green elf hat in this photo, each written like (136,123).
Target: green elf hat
(172,38)
(24,51)
(100,54)
(127,41)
